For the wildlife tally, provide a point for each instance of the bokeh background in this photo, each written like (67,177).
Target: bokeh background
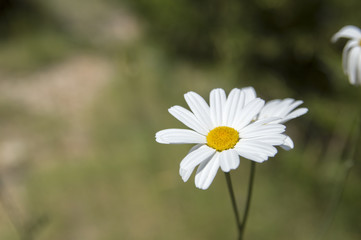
(84,86)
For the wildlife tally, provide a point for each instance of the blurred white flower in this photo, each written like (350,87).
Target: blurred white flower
(351,56)
(223,131)
(283,110)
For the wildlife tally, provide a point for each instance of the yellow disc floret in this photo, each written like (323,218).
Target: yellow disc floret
(222,138)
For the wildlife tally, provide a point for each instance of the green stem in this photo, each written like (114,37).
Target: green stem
(233,200)
(249,197)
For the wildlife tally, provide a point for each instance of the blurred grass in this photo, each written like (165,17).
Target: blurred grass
(27,53)
(121,184)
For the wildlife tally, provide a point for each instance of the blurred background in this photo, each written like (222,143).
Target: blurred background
(85,85)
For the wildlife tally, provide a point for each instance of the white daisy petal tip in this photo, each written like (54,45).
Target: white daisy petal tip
(188,119)
(284,109)
(206,172)
(179,136)
(159,139)
(217,100)
(199,108)
(184,174)
(229,160)
(348,31)
(250,94)
(287,144)
(351,55)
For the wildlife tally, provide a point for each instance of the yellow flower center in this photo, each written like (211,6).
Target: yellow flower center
(222,138)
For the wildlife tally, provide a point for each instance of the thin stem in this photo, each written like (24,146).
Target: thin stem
(234,204)
(249,196)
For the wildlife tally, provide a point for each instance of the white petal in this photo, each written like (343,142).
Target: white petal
(358,80)
(179,136)
(294,114)
(247,114)
(228,160)
(188,119)
(252,156)
(274,139)
(200,108)
(282,109)
(264,121)
(195,147)
(292,106)
(295,104)
(250,94)
(352,64)
(255,130)
(234,104)
(347,32)
(289,106)
(194,158)
(217,100)
(288,144)
(345,53)
(256,147)
(206,172)
(269,108)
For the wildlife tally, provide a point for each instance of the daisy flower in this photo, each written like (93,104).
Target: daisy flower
(284,110)
(351,55)
(222,131)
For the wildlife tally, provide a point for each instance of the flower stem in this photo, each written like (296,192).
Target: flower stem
(248,202)
(234,204)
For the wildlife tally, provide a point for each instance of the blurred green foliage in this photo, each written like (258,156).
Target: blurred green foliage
(289,39)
